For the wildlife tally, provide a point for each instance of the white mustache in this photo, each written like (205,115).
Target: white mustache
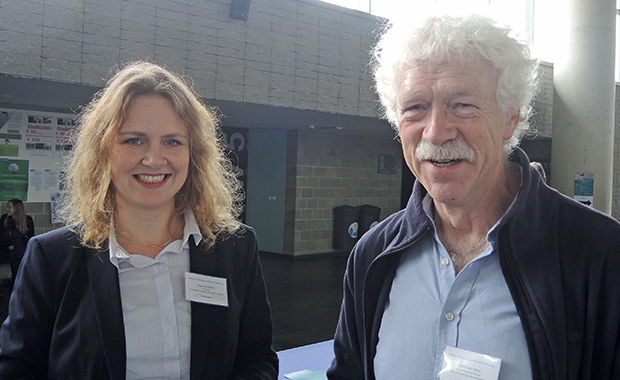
(450,150)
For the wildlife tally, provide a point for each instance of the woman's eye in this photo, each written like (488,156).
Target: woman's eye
(132,141)
(173,143)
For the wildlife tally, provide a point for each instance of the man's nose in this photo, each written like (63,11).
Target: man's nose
(440,127)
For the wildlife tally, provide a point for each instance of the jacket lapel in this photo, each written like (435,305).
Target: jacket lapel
(103,277)
(201,262)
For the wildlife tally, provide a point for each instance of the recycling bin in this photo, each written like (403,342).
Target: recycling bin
(368,218)
(346,226)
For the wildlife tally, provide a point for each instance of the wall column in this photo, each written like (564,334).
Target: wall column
(583,109)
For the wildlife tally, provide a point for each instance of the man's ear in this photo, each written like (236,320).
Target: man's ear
(512,121)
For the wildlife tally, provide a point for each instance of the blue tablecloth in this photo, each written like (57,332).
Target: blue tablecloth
(313,357)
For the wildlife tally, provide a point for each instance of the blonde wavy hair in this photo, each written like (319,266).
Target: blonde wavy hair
(211,190)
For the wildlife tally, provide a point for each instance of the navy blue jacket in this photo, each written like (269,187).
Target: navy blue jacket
(560,259)
(65,314)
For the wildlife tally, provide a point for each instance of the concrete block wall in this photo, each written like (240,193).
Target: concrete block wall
(543,103)
(334,170)
(303,54)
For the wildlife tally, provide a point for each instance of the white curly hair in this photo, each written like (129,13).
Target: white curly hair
(449,38)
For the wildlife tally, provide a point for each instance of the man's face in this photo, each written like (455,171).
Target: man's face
(453,106)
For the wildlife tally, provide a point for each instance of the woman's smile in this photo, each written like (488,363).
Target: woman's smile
(150,179)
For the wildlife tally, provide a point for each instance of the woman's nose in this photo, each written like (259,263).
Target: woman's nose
(154,157)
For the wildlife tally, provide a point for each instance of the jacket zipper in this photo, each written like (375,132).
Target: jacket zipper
(509,263)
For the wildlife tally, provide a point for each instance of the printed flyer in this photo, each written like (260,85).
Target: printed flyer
(13,179)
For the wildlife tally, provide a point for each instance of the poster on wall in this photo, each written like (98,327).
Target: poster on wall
(44,179)
(57,206)
(42,138)
(35,134)
(10,132)
(39,136)
(13,179)
(62,142)
(584,188)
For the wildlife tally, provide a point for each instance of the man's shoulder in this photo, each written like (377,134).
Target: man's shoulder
(392,234)
(575,215)
(385,230)
(570,224)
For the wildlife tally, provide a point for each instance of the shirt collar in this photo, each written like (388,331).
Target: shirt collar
(429,208)
(191,229)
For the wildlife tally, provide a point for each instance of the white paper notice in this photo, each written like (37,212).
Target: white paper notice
(206,289)
(459,364)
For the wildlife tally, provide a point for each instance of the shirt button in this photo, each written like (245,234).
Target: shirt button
(449,316)
(445,261)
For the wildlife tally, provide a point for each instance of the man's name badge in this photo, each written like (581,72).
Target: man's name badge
(459,364)
(206,289)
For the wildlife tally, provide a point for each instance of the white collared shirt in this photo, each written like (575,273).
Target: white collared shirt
(156,315)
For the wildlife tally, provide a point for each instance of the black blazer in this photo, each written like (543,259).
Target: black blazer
(11,236)
(65,314)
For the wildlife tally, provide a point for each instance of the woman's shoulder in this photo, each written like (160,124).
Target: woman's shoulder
(242,232)
(238,239)
(60,237)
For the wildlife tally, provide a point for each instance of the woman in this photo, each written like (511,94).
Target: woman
(16,228)
(152,206)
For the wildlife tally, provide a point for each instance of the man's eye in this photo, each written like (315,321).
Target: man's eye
(414,112)
(464,109)
(415,107)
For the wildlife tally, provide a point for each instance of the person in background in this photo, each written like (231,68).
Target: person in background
(486,273)
(539,168)
(16,228)
(153,278)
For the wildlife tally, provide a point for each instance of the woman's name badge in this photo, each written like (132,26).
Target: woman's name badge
(206,289)
(459,364)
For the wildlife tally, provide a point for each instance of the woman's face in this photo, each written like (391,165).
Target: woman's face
(10,209)
(150,158)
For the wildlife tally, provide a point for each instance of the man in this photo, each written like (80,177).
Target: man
(487,273)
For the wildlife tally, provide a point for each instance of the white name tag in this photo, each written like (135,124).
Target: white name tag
(459,364)
(206,289)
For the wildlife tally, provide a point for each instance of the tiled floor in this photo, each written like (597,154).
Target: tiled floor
(305,297)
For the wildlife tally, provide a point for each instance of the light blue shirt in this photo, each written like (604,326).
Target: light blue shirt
(430,307)
(156,315)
